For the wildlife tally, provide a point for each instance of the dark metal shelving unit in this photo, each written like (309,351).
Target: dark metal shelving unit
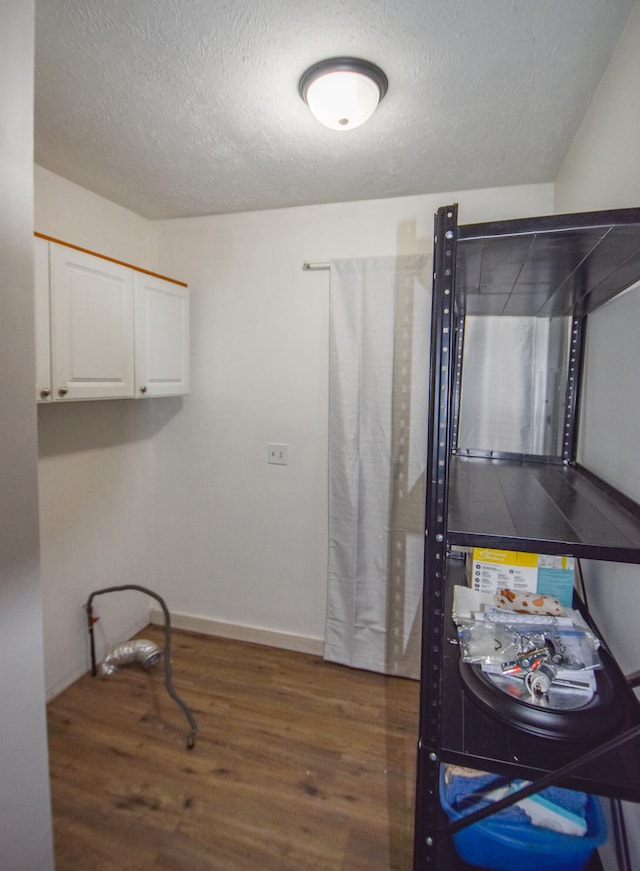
(557,266)
(566,510)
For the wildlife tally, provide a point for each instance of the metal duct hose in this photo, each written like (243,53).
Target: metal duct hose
(139,651)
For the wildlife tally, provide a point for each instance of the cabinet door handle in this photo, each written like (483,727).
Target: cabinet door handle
(63,391)
(45,392)
(143,389)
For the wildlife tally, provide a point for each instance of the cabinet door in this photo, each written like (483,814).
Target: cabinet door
(42,312)
(91,326)
(162,337)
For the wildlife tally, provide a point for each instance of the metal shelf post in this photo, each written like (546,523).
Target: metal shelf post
(443,347)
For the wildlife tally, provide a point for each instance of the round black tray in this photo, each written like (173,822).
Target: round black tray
(500,695)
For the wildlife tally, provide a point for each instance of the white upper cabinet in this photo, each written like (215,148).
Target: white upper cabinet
(91,326)
(161,336)
(106,330)
(42,318)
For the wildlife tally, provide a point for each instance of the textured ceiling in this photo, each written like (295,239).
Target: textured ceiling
(177,108)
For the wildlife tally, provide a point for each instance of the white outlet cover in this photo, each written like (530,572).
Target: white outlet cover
(278,454)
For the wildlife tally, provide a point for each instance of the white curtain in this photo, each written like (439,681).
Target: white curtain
(379,361)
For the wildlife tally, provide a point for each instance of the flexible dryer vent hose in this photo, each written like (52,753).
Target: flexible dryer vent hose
(167,649)
(138,651)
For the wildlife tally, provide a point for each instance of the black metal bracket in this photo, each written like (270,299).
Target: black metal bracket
(442,373)
(572,395)
(457,380)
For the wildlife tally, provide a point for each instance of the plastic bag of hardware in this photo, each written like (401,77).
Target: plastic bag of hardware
(495,643)
(483,642)
(519,647)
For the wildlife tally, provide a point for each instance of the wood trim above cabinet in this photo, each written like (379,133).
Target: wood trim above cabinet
(110,259)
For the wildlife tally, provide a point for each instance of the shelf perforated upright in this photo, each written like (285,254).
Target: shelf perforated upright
(439,434)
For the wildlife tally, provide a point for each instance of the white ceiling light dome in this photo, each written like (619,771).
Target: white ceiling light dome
(343,92)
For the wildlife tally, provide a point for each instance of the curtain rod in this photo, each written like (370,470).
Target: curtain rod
(317,264)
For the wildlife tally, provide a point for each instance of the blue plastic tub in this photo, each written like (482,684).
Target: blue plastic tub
(504,845)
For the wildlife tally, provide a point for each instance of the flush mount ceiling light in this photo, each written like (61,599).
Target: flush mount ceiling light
(343,92)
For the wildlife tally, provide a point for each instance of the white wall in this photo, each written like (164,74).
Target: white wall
(96,499)
(73,214)
(601,166)
(25,816)
(602,171)
(242,542)
(175,494)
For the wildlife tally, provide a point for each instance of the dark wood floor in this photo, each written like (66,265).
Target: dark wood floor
(298,765)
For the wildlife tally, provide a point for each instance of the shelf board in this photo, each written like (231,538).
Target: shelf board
(539,507)
(473,736)
(553,266)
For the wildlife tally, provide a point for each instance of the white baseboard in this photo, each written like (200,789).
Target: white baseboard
(238,632)
(61,685)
